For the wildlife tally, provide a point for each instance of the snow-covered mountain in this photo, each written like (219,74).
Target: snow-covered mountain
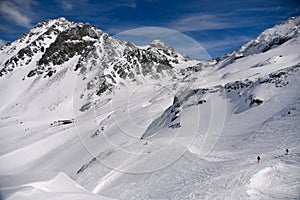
(86,116)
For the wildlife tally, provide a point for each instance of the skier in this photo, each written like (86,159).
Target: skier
(286,151)
(258,159)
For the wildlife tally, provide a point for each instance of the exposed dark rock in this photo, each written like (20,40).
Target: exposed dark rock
(85,107)
(256,102)
(68,44)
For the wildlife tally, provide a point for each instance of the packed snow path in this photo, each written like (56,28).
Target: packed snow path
(233,174)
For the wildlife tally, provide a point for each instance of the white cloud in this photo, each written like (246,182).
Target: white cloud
(17,11)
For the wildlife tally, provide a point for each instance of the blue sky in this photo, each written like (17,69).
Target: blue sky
(219,26)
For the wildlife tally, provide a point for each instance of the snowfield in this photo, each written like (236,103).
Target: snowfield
(86,116)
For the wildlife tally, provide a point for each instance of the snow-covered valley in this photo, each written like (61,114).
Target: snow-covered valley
(86,116)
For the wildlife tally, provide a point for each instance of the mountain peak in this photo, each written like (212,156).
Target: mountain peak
(62,19)
(157,43)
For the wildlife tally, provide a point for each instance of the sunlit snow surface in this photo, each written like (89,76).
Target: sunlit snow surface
(195,136)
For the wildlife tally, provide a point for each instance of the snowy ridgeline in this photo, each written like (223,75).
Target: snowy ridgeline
(86,116)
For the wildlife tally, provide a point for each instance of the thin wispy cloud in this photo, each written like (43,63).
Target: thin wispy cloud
(196,22)
(225,43)
(218,21)
(130,3)
(17,11)
(98,12)
(111,5)
(260,9)
(199,22)
(66,5)
(152,1)
(294,11)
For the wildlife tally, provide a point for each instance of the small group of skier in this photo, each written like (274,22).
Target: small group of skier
(286,153)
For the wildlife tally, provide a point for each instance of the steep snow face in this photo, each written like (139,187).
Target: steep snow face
(269,39)
(272,37)
(128,122)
